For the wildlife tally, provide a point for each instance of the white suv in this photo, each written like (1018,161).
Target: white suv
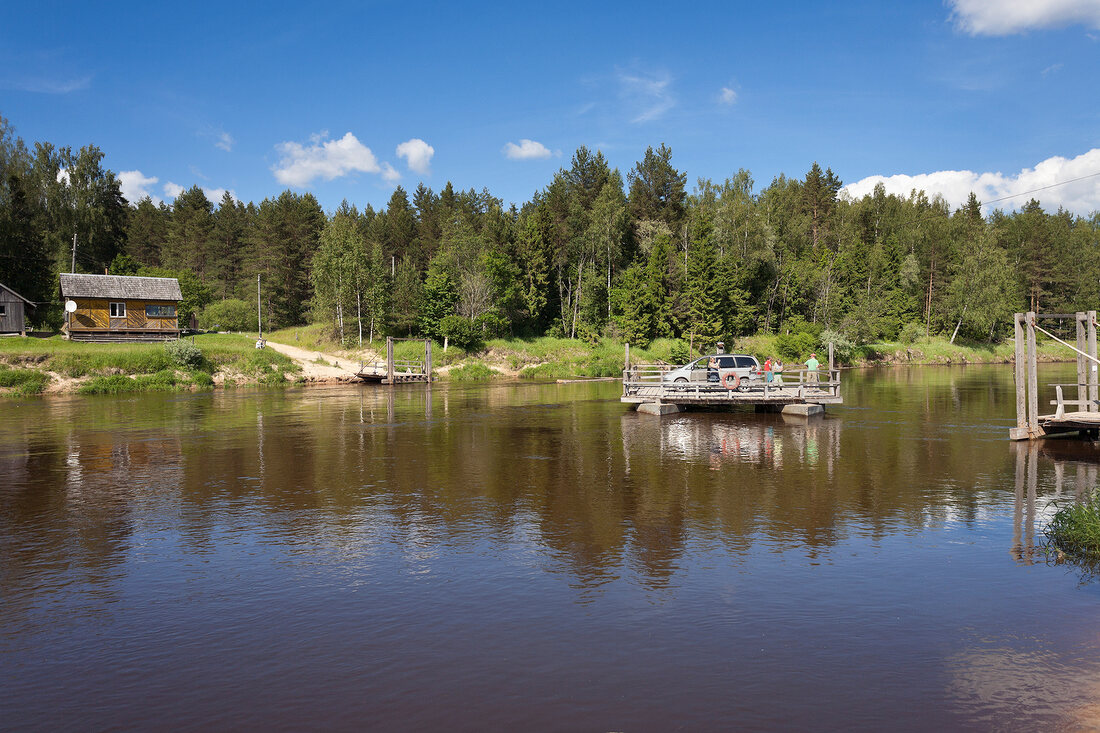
(745,367)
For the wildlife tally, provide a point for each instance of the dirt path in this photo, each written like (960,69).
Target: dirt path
(334,369)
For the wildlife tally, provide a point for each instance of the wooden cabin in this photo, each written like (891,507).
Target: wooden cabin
(13,311)
(121,307)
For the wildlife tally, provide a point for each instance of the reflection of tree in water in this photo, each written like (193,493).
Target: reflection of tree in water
(1049,475)
(591,490)
(68,508)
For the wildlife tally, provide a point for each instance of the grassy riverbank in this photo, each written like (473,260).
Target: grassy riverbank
(36,365)
(556,358)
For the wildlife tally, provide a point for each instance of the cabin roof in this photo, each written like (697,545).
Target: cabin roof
(17,295)
(120,286)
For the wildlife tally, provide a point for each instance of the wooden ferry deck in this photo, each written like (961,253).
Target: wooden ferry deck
(647,385)
(394,371)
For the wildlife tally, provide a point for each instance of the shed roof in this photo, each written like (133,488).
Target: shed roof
(120,286)
(17,295)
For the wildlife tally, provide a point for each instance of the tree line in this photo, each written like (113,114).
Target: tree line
(592,254)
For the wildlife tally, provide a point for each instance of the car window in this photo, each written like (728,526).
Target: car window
(746,361)
(727,362)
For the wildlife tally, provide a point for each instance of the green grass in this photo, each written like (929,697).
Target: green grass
(314,337)
(473,372)
(23,382)
(1075,529)
(137,367)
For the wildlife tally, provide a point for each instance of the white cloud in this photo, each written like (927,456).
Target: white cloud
(390,174)
(727,96)
(526,150)
(649,94)
(1079,196)
(225,141)
(216,194)
(173,190)
(135,186)
(417,154)
(325,159)
(46,85)
(1005,17)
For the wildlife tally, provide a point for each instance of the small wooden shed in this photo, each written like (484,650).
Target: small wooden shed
(121,307)
(13,311)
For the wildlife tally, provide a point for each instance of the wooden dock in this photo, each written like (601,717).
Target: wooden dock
(1085,419)
(796,391)
(394,371)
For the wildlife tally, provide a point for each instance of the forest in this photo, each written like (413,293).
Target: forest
(593,254)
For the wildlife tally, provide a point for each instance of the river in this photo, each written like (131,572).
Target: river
(538,557)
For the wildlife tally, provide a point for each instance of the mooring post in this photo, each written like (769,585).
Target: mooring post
(832,366)
(428,359)
(1021,373)
(1082,366)
(1032,378)
(389,359)
(1092,380)
(626,359)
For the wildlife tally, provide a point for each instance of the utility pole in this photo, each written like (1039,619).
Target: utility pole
(259,313)
(73,268)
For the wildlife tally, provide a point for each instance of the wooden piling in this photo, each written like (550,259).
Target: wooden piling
(1032,378)
(428,360)
(1021,374)
(389,359)
(1092,379)
(1082,364)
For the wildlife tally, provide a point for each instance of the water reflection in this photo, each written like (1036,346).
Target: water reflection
(353,552)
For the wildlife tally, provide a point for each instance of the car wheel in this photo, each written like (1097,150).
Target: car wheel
(680,379)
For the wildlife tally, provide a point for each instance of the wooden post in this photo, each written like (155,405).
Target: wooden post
(1032,379)
(1082,364)
(389,359)
(832,365)
(428,361)
(1092,380)
(1021,374)
(626,359)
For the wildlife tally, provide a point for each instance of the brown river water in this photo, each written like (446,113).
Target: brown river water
(538,557)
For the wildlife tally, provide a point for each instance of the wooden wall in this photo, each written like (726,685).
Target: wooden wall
(13,319)
(95,314)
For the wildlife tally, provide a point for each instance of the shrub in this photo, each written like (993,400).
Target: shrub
(678,352)
(910,333)
(844,349)
(184,354)
(795,346)
(462,332)
(229,315)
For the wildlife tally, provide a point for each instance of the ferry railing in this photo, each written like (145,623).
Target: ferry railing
(651,380)
(406,366)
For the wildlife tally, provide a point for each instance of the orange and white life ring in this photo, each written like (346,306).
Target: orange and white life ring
(731,381)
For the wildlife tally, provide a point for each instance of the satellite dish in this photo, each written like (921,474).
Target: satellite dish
(70,306)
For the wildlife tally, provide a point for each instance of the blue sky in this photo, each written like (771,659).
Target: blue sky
(349,100)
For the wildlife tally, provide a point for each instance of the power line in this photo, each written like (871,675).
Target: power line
(1041,188)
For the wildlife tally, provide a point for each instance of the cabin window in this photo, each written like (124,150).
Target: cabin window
(160,311)
(118,310)
(3,309)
